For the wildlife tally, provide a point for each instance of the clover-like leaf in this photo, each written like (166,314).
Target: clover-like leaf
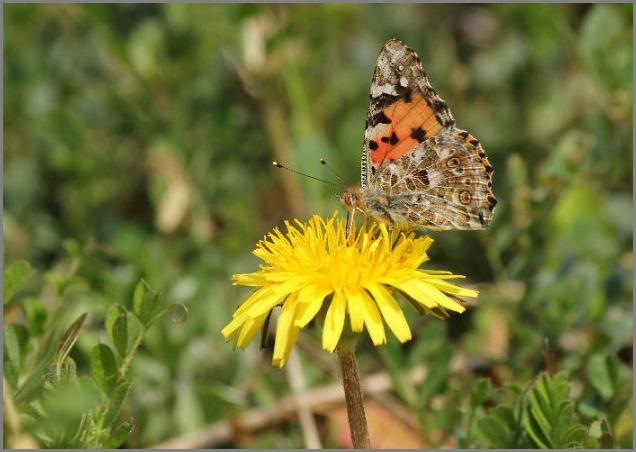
(15,275)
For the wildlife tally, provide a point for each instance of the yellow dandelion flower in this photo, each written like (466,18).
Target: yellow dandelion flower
(313,269)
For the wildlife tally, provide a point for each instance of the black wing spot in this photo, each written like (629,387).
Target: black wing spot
(373,145)
(379,118)
(393,139)
(422,175)
(418,134)
(407,95)
(384,100)
(438,105)
(474,142)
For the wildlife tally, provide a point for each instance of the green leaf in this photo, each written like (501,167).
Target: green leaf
(498,428)
(573,437)
(61,281)
(68,374)
(38,364)
(114,312)
(11,355)
(118,436)
(146,303)
(480,393)
(36,314)
(69,338)
(600,435)
(64,410)
(140,290)
(117,398)
(126,331)
(104,367)
(74,248)
(15,275)
(604,374)
(550,419)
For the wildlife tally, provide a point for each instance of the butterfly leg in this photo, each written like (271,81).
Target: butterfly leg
(349,231)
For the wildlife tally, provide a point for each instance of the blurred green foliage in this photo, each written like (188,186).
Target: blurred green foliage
(137,144)
(54,406)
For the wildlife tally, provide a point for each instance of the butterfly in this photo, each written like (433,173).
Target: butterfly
(418,170)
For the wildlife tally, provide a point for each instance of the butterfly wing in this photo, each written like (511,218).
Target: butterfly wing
(404,109)
(418,171)
(444,183)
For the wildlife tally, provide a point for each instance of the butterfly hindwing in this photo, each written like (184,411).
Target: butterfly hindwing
(444,183)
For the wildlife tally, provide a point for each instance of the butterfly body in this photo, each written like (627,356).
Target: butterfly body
(418,170)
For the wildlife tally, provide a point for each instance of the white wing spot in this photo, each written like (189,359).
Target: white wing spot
(378,90)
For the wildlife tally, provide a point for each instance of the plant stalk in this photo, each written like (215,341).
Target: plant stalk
(353,398)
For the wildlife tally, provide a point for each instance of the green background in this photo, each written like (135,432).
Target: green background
(142,135)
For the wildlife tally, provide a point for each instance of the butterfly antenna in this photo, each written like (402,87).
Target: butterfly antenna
(281,166)
(324,162)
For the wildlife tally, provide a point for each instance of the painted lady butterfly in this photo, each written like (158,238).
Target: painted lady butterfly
(418,171)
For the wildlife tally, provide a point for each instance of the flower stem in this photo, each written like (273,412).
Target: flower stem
(353,398)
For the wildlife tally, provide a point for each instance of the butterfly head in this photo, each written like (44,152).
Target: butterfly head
(352,198)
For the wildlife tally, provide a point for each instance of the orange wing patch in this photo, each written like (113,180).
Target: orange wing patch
(412,121)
